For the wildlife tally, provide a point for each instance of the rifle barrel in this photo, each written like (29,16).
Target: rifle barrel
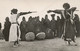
(34,11)
(63,10)
(76,10)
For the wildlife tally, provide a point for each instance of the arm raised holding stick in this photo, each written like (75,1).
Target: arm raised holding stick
(14,29)
(24,13)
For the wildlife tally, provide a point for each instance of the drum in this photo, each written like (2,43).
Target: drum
(40,36)
(30,36)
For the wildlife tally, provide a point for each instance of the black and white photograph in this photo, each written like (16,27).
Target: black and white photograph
(39,25)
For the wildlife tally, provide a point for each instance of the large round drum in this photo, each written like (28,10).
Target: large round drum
(30,36)
(41,36)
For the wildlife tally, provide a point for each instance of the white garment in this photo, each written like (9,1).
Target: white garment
(13,28)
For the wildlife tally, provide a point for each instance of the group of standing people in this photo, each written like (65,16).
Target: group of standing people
(35,25)
(67,26)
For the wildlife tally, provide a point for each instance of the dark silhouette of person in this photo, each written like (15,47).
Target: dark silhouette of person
(37,25)
(43,28)
(23,29)
(59,28)
(53,25)
(30,24)
(1,34)
(77,24)
(48,31)
(47,22)
(0,26)
(6,29)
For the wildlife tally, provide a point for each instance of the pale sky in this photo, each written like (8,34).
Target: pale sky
(41,6)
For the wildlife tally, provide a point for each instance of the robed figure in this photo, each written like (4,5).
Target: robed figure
(59,27)
(77,23)
(0,26)
(37,25)
(14,34)
(1,35)
(69,26)
(53,25)
(23,28)
(30,24)
(6,29)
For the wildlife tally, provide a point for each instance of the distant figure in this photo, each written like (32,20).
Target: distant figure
(6,29)
(47,31)
(59,28)
(53,25)
(23,28)
(0,26)
(69,26)
(1,35)
(47,22)
(30,24)
(14,29)
(43,28)
(77,23)
(37,25)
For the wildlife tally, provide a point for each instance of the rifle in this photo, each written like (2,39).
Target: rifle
(34,11)
(58,10)
(23,13)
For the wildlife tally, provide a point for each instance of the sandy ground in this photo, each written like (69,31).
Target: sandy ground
(56,44)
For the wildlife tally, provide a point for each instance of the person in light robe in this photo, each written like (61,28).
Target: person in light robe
(14,34)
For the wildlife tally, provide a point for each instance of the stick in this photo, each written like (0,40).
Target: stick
(34,11)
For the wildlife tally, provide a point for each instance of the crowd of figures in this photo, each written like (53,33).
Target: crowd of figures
(50,28)
(53,28)
(68,25)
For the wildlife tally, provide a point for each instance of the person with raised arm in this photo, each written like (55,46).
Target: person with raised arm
(68,23)
(14,29)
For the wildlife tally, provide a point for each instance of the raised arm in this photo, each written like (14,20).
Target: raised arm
(73,9)
(23,13)
(55,11)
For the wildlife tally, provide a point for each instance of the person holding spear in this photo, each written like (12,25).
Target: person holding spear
(14,34)
(69,29)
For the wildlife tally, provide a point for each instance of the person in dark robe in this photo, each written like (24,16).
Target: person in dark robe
(69,26)
(53,25)
(37,25)
(59,28)
(0,26)
(6,29)
(48,30)
(47,22)
(30,24)
(43,28)
(23,28)
(77,23)
(1,34)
